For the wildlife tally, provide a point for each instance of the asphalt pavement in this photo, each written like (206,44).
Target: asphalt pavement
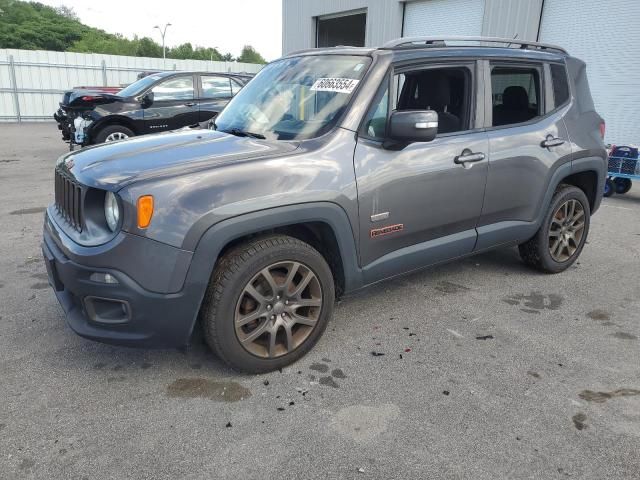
(477,369)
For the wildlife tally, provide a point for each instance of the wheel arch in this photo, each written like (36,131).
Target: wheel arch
(588,174)
(587,181)
(113,120)
(324,225)
(581,173)
(318,234)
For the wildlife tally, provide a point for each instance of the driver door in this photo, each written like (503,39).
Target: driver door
(417,205)
(174,105)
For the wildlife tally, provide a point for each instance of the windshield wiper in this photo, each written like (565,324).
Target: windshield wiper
(241,133)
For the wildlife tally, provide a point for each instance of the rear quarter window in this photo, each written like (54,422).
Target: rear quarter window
(560,84)
(582,93)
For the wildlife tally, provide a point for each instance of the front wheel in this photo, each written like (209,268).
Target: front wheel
(113,133)
(563,233)
(268,303)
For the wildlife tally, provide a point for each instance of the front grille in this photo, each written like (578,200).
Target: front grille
(69,200)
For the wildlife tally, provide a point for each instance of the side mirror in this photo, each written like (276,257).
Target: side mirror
(413,126)
(146,100)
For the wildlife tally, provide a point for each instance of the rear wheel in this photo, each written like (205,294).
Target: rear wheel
(561,237)
(113,133)
(268,303)
(622,185)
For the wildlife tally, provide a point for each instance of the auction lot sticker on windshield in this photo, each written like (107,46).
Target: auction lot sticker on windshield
(339,85)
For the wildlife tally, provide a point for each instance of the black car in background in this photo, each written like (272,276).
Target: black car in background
(154,103)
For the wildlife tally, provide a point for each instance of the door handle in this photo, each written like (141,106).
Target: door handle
(190,104)
(552,141)
(468,156)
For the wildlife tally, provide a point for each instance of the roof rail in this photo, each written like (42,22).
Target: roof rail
(317,49)
(407,42)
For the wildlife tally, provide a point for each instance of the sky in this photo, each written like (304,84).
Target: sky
(225,24)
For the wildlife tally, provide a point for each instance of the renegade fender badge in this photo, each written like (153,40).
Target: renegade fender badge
(378,232)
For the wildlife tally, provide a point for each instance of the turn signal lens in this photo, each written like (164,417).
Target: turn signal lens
(145,210)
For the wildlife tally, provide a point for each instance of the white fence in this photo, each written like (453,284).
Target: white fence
(32,81)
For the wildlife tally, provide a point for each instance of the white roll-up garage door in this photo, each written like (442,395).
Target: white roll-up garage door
(443,17)
(606,35)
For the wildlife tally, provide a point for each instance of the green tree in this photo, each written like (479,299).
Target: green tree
(35,26)
(181,52)
(146,47)
(250,55)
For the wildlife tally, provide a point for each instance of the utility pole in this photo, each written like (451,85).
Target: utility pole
(163,32)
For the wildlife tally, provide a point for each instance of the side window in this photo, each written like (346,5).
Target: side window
(560,84)
(448,91)
(216,87)
(515,93)
(177,88)
(376,119)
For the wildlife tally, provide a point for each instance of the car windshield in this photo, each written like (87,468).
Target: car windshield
(294,98)
(139,86)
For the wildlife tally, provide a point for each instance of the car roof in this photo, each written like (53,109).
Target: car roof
(476,52)
(183,72)
(436,52)
(421,47)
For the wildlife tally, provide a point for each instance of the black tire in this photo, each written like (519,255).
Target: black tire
(110,130)
(536,251)
(609,188)
(233,273)
(623,185)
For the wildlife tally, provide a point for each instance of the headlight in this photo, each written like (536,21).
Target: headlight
(111,211)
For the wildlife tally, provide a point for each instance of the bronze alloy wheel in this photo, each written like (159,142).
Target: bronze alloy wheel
(278,309)
(566,230)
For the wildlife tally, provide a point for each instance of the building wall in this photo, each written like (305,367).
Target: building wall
(605,35)
(384,20)
(607,38)
(433,18)
(506,18)
(501,18)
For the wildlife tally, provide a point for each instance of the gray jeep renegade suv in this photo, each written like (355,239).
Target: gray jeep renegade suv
(331,170)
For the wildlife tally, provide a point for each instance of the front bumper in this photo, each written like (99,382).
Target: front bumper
(64,126)
(122,313)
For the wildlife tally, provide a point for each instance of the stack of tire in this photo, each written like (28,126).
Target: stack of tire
(630,158)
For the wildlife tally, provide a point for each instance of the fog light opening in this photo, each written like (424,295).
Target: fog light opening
(107,310)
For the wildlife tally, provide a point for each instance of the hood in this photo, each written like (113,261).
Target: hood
(112,166)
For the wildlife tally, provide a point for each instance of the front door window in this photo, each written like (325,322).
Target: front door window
(177,88)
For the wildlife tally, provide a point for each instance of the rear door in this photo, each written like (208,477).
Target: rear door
(528,141)
(174,104)
(215,93)
(417,205)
